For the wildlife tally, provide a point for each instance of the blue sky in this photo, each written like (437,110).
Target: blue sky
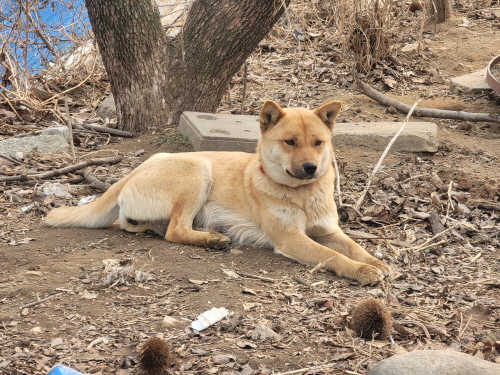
(57,20)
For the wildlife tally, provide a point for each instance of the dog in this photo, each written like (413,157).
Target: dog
(281,197)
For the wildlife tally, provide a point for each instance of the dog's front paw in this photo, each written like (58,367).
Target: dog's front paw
(386,270)
(216,241)
(367,274)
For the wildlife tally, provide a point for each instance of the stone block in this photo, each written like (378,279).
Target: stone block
(225,132)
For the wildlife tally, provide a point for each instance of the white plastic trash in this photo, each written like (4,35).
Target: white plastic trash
(208,318)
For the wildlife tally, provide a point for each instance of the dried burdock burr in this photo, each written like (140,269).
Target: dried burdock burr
(155,357)
(371,320)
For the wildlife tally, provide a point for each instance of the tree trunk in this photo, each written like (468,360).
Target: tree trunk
(155,78)
(443,10)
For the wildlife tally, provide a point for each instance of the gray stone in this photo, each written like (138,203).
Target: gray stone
(44,143)
(107,108)
(60,130)
(474,83)
(263,332)
(435,362)
(225,132)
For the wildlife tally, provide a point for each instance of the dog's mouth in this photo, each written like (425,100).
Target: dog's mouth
(301,176)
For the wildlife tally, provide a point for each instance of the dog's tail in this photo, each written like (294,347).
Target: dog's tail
(98,214)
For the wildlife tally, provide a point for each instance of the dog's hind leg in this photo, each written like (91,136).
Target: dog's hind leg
(186,202)
(180,229)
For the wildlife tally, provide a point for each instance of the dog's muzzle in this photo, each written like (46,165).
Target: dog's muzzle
(307,172)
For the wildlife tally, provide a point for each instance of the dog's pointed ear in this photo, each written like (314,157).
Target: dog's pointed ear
(328,112)
(270,114)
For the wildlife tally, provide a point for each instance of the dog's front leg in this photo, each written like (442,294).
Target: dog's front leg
(339,241)
(291,241)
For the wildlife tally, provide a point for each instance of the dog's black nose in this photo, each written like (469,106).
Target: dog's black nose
(310,168)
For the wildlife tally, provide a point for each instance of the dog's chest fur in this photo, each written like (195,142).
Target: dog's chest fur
(308,208)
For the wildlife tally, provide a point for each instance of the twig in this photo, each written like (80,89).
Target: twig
(427,112)
(312,368)
(70,168)
(337,179)
(488,206)
(38,301)
(375,170)
(70,127)
(95,342)
(10,105)
(321,264)
(302,282)
(103,129)
(94,181)
(266,279)
(426,243)
(421,325)
(245,79)
(12,160)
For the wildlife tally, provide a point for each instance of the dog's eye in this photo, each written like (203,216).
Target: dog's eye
(318,143)
(290,142)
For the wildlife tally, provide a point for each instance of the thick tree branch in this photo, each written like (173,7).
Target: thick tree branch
(426,112)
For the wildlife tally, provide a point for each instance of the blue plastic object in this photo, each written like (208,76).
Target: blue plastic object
(63,370)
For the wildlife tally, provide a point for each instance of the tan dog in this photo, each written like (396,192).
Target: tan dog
(281,197)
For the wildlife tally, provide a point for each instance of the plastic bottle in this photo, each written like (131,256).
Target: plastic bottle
(63,370)
(208,318)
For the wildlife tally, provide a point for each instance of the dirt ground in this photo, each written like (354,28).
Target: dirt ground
(90,298)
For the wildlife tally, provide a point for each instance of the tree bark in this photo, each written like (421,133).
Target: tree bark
(155,78)
(443,10)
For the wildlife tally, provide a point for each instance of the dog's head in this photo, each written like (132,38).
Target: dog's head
(295,146)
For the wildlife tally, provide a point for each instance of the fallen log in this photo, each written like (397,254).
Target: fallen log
(426,112)
(69,168)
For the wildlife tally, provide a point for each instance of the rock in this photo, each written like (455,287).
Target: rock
(221,359)
(60,130)
(435,362)
(44,143)
(263,332)
(107,108)
(57,342)
(410,48)
(474,83)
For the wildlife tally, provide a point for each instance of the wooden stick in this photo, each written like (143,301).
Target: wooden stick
(488,206)
(70,127)
(426,112)
(319,367)
(321,264)
(384,154)
(94,181)
(70,168)
(103,129)
(337,178)
(267,279)
(426,243)
(244,93)
(38,301)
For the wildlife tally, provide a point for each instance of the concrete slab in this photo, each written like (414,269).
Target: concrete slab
(43,143)
(225,132)
(474,83)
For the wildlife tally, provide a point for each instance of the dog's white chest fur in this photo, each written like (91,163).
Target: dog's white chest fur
(241,230)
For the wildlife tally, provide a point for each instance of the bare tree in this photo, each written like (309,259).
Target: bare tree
(154,78)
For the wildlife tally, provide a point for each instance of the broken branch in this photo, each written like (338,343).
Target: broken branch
(70,168)
(426,112)
(104,129)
